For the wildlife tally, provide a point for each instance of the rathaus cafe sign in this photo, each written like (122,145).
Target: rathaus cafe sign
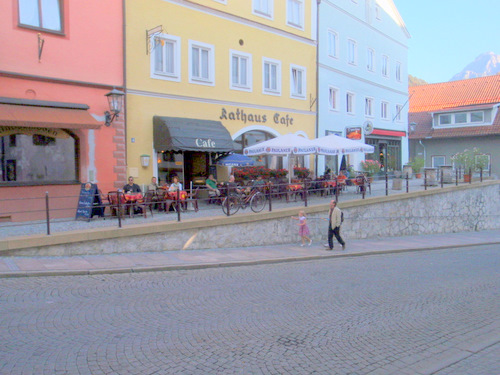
(241,115)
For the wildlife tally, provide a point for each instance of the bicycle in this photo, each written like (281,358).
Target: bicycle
(255,199)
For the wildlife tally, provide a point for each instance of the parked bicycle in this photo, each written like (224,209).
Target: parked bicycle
(255,199)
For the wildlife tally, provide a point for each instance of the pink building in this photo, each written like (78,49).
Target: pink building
(58,60)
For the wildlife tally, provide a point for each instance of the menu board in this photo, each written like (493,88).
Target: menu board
(89,202)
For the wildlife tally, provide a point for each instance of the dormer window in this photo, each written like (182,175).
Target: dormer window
(461,118)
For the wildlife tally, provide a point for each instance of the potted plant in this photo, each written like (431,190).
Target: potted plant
(371,167)
(416,165)
(301,172)
(468,160)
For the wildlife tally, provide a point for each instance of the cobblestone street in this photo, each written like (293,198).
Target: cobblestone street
(413,313)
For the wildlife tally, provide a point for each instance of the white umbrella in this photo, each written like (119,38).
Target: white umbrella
(333,145)
(284,145)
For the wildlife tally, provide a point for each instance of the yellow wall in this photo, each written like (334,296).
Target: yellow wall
(184,99)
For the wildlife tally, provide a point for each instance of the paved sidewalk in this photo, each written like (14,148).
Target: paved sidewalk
(191,259)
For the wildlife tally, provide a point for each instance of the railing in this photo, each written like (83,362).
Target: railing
(46,209)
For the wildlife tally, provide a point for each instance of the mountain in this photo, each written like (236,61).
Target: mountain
(414,81)
(486,64)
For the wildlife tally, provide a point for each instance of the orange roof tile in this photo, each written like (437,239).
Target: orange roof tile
(437,97)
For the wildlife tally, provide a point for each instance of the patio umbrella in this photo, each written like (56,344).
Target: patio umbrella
(235,160)
(333,145)
(283,145)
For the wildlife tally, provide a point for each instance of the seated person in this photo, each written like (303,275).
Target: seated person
(153,186)
(131,187)
(175,185)
(211,185)
(361,181)
(259,183)
(232,188)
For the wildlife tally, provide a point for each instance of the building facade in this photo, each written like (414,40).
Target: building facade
(447,118)
(363,80)
(55,71)
(208,77)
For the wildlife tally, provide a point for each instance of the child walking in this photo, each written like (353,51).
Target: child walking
(303,228)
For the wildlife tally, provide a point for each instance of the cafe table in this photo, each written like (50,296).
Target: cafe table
(172,195)
(131,200)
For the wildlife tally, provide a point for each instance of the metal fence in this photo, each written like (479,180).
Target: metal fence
(119,212)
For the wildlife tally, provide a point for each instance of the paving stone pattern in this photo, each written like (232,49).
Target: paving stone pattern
(414,313)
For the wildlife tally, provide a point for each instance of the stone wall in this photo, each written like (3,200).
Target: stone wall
(452,209)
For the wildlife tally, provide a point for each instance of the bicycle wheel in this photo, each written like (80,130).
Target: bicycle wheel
(258,202)
(231,203)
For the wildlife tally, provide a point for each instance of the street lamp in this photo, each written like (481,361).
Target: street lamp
(115,101)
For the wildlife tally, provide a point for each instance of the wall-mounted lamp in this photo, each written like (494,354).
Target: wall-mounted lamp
(145,160)
(115,100)
(413,126)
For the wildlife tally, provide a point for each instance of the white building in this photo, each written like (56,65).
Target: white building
(363,79)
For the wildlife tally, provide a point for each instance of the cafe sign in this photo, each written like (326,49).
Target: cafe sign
(48,132)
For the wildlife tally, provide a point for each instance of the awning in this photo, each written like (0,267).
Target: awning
(46,117)
(186,134)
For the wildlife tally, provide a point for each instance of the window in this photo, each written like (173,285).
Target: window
(370,60)
(351,50)
(384,114)
(39,158)
(201,62)
(438,161)
(377,12)
(349,102)
(263,8)
(399,109)
(41,14)
(385,66)
(369,107)
(295,13)
(460,118)
(398,71)
(271,77)
(165,58)
(483,161)
(297,81)
(476,117)
(333,43)
(333,98)
(444,119)
(241,70)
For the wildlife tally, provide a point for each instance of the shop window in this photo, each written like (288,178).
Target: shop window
(38,158)
(43,140)
(41,14)
(253,137)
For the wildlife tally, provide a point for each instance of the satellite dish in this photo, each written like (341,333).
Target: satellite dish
(368,127)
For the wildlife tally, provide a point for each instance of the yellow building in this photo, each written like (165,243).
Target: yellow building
(205,77)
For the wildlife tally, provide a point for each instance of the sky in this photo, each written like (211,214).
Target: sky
(447,35)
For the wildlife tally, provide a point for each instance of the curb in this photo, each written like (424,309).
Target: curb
(161,268)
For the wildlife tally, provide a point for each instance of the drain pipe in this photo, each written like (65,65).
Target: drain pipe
(425,157)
